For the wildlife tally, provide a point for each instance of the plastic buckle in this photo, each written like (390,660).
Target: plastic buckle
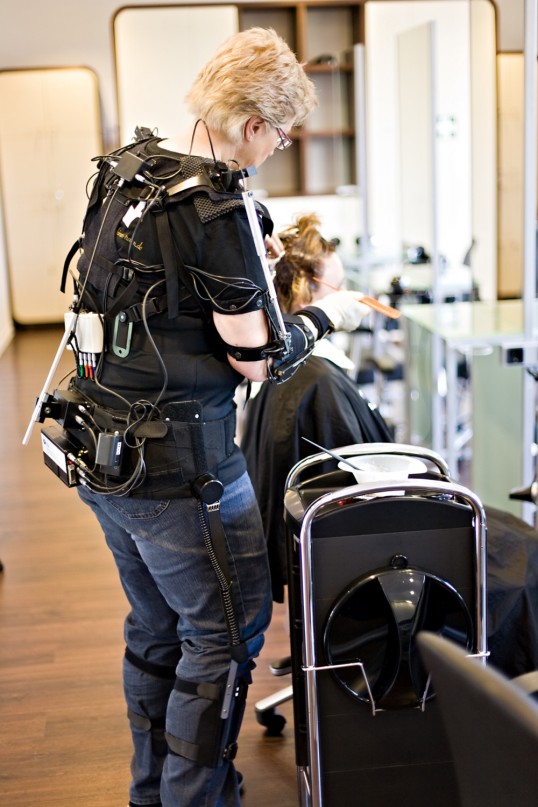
(121,340)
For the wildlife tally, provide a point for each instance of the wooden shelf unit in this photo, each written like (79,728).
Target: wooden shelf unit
(323,35)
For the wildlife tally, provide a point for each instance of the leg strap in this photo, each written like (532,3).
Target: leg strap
(144,723)
(161,671)
(157,670)
(215,741)
(147,688)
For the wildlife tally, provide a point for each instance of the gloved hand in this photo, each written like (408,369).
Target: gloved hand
(344,309)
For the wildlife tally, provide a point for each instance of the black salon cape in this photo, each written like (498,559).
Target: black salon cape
(322,403)
(512,593)
(319,402)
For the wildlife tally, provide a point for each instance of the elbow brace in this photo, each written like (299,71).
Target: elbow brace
(283,356)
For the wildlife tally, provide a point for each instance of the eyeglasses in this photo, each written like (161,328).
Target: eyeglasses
(285,141)
(329,285)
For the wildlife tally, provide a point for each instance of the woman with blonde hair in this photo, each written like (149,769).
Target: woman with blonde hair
(169,261)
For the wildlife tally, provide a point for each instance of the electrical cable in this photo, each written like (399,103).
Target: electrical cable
(82,423)
(203,292)
(140,411)
(152,342)
(90,178)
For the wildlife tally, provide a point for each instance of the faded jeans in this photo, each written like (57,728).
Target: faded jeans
(177,622)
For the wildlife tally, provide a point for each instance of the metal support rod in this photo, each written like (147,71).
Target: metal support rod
(41,400)
(248,199)
(360,149)
(529,162)
(529,238)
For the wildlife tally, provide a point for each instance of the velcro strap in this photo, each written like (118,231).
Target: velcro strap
(123,300)
(251,353)
(157,670)
(319,318)
(145,723)
(202,689)
(70,255)
(170,263)
(218,435)
(182,748)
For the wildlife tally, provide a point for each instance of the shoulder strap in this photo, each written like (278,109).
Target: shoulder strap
(174,267)
(172,263)
(69,257)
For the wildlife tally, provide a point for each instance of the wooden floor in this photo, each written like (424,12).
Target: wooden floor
(64,737)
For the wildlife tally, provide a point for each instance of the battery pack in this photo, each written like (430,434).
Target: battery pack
(109,452)
(56,447)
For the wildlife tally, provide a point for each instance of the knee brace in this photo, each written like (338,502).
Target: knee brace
(218,724)
(138,713)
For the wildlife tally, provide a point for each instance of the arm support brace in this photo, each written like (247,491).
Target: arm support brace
(283,359)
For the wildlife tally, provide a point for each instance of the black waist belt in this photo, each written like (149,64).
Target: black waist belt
(173,462)
(178,447)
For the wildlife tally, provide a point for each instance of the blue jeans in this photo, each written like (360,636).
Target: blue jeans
(176,624)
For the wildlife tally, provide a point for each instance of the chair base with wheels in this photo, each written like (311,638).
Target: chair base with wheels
(266,713)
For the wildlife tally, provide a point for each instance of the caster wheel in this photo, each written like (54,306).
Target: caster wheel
(272,721)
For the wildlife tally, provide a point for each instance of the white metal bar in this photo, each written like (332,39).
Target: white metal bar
(529,239)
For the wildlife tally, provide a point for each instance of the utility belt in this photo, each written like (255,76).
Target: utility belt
(156,458)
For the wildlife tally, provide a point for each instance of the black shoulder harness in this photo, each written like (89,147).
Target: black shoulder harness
(139,172)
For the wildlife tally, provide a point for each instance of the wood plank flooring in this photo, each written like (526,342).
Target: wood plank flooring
(64,739)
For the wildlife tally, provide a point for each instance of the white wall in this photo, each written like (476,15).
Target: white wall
(484,156)
(464,193)
(65,33)
(57,33)
(510,24)
(341,216)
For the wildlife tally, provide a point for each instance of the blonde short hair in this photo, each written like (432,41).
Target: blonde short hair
(254,72)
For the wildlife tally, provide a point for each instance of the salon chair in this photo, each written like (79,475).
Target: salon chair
(491,724)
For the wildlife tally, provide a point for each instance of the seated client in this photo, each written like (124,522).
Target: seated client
(320,402)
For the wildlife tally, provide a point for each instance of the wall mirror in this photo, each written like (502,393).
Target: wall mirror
(455,204)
